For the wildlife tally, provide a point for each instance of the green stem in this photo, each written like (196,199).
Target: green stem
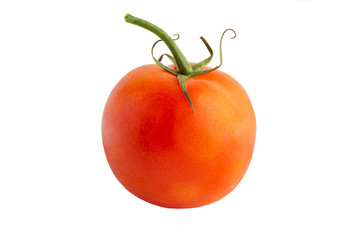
(183,65)
(184,69)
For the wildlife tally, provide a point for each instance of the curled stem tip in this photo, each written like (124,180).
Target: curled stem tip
(229,29)
(177,36)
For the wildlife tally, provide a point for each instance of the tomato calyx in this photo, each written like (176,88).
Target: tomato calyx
(183,68)
(182,79)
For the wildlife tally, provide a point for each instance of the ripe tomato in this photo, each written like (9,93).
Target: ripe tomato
(167,155)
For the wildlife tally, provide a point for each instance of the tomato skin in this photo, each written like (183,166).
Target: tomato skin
(167,155)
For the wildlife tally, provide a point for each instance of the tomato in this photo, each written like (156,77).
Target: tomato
(165,153)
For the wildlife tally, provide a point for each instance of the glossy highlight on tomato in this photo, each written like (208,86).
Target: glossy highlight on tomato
(168,155)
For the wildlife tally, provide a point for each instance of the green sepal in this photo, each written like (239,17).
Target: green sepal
(160,64)
(182,79)
(172,59)
(206,61)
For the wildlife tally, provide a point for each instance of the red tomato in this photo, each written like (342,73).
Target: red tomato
(168,155)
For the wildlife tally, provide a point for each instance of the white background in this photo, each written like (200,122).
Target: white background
(298,60)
